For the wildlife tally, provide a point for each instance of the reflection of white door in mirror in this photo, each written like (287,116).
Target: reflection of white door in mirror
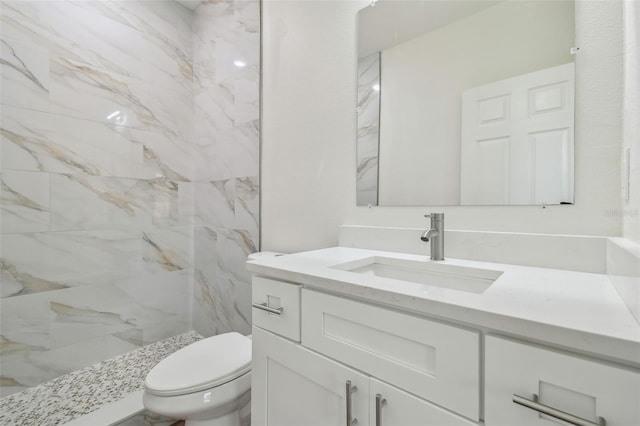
(517,140)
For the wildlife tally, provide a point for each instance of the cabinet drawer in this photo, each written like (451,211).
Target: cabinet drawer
(581,387)
(276,307)
(434,361)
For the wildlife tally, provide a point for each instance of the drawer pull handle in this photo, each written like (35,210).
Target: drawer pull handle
(380,402)
(348,391)
(264,307)
(550,411)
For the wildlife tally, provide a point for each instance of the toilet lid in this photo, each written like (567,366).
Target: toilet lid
(202,365)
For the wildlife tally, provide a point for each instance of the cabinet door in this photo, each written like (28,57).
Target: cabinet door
(582,387)
(403,409)
(292,386)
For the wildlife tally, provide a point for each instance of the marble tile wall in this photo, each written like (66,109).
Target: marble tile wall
(97,166)
(368,129)
(129,163)
(226,68)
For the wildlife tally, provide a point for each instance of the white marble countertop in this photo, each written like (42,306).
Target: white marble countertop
(575,310)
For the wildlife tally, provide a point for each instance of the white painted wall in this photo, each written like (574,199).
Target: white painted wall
(423,80)
(631,118)
(309,128)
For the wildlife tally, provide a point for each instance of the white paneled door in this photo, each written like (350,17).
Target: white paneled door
(517,140)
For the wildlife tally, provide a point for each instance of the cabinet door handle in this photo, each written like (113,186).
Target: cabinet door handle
(264,307)
(349,389)
(380,401)
(533,404)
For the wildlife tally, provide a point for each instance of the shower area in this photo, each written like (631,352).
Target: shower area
(129,163)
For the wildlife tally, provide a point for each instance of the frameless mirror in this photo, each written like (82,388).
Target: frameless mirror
(465,102)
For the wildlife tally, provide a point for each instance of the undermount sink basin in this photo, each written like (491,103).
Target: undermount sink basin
(454,277)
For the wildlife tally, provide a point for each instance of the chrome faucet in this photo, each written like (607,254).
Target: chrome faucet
(435,235)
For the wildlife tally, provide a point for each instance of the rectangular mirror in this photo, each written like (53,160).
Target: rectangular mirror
(465,102)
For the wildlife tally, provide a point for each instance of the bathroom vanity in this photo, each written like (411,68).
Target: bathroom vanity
(346,336)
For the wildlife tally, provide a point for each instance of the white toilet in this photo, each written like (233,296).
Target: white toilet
(205,383)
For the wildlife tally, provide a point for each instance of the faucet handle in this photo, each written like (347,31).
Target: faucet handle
(435,216)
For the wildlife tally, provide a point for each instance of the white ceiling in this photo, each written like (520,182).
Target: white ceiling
(392,22)
(191,4)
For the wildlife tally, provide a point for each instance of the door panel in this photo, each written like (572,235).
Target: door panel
(582,387)
(403,409)
(534,113)
(292,386)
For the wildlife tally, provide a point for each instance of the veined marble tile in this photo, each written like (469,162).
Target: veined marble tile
(112,98)
(368,106)
(144,40)
(222,296)
(233,247)
(167,64)
(81,31)
(73,324)
(24,74)
(37,141)
(227,128)
(213,298)
(18,370)
(221,254)
(186,202)
(24,201)
(166,250)
(208,17)
(105,97)
(232,32)
(246,149)
(368,129)
(25,322)
(165,301)
(229,153)
(39,262)
(237,47)
(88,312)
(164,154)
(247,14)
(93,202)
(160,293)
(205,240)
(247,97)
(215,160)
(247,206)
(367,174)
(69,358)
(215,203)
(21,275)
(82,324)
(214,108)
(166,35)
(213,304)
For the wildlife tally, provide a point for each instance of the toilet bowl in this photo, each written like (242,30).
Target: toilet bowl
(205,383)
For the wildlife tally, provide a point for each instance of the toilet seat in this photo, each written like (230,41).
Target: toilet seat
(206,364)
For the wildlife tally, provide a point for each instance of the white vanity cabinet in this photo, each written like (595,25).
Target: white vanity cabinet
(293,386)
(583,388)
(401,368)
(411,370)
